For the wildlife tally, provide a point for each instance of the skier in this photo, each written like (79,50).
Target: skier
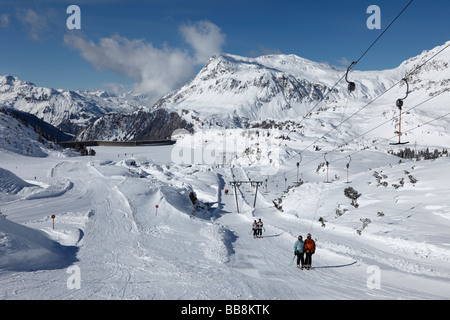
(260,227)
(299,251)
(310,248)
(255,229)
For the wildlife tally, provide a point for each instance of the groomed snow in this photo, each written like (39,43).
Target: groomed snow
(107,225)
(390,242)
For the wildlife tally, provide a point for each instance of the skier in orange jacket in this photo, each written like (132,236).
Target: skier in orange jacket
(310,248)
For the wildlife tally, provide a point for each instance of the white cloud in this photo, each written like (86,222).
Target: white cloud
(344,61)
(4,21)
(116,88)
(263,51)
(34,24)
(155,71)
(205,38)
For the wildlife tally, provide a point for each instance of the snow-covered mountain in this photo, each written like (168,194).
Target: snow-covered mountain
(238,92)
(66,110)
(282,87)
(233,90)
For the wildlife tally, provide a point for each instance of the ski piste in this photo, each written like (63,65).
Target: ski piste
(112,208)
(180,250)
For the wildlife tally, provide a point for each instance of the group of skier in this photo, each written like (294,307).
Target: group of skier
(304,251)
(257,228)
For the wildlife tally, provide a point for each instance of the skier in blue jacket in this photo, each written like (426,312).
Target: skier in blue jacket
(299,251)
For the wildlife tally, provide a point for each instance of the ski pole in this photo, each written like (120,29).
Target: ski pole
(292,260)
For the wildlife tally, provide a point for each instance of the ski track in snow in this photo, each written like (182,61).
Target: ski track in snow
(106,222)
(127,251)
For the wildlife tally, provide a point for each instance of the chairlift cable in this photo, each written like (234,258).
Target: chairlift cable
(369,103)
(387,28)
(360,58)
(380,125)
(351,85)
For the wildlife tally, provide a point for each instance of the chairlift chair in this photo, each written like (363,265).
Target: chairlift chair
(348,165)
(351,85)
(399,105)
(327,163)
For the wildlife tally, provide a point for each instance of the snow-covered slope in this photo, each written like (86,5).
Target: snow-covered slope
(19,137)
(393,245)
(27,250)
(138,125)
(165,223)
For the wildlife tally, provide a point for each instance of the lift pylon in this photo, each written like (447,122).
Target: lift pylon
(399,105)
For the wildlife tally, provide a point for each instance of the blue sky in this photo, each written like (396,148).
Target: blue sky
(162,43)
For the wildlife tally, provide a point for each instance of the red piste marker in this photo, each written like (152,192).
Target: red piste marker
(53,218)
(156,209)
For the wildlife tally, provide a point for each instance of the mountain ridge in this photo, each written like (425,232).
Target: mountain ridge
(65,109)
(232,91)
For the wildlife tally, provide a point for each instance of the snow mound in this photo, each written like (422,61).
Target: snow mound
(26,249)
(61,187)
(10,183)
(219,246)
